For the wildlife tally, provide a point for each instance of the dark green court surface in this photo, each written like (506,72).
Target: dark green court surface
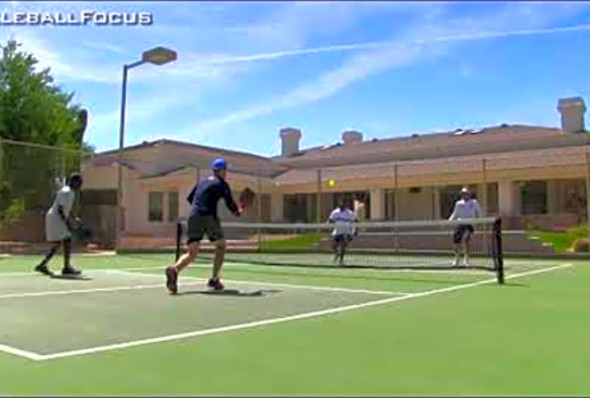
(124,307)
(293,330)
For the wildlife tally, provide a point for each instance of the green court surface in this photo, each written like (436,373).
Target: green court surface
(293,330)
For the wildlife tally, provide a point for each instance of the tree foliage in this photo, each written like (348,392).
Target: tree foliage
(34,109)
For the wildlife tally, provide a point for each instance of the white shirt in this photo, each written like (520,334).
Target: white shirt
(64,198)
(343,220)
(465,209)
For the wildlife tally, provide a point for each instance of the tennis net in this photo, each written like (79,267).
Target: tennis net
(410,245)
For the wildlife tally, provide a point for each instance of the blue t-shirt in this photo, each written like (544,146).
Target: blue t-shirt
(206,194)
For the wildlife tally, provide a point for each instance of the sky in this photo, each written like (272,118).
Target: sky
(247,69)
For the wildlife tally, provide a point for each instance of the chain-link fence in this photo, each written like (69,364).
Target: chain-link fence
(30,176)
(542,190)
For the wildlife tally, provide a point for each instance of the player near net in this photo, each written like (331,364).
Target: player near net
(59,225)
(343,219)
(203,220)
(466,208)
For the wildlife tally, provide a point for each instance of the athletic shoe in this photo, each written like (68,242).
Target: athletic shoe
(70,271)
(456,262)
(215,284)
(466,261)
(43,270)
(172,279)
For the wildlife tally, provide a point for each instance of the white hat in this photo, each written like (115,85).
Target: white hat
(464,190)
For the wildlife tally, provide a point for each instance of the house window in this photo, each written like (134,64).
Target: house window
(533,196)
(295,208)
(156,206)
(172,206)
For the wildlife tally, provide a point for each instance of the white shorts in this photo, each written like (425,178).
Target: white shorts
(55,228)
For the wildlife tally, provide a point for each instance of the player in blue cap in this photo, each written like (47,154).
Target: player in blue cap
(203,220)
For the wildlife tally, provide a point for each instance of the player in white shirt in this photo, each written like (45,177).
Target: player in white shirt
(59,225)
(344,229)
(465,208)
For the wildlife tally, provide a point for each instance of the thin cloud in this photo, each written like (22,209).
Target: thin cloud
(104,47)
(387,55)
(140,111)
(382,44)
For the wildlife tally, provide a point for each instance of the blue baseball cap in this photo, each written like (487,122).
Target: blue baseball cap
(219,164)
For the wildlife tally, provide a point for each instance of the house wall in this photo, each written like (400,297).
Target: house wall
(415,205)
(504,174)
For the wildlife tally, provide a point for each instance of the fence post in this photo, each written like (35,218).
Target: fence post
(1,173)
(588,196)
(319,197)
(259,217)
(259,201)
(395,207)
(484,198)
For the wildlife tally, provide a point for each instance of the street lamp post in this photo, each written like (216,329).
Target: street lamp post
(156,56)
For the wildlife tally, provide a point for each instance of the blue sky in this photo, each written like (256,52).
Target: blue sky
(245,70)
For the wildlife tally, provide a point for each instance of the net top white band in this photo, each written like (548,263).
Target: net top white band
(365,225)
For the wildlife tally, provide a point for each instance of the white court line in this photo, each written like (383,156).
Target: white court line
(287,285)
(271,321)
(93,290)
(21,353)
(6,274)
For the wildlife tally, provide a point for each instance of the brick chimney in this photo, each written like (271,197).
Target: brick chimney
(351,137)
(290,138)
(572,114)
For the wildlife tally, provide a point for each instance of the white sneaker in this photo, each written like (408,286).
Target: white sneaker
(466,261)
(456,262)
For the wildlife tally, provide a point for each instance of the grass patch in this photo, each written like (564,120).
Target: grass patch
(300,242)
(561,241)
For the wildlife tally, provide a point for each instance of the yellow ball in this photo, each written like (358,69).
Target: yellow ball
(331,183)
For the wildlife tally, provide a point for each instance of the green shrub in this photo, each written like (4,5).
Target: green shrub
(13,211)
(580,231)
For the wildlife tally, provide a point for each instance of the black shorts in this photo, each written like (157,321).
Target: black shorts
(346,238)
(463,231)
(199,226)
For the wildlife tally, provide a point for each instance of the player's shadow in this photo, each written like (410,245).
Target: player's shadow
(232,293)
(77,278)
(515,284)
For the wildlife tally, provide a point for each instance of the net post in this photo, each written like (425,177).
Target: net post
(178,239)
(497,250)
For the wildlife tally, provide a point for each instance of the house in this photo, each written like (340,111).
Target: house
(526,174)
